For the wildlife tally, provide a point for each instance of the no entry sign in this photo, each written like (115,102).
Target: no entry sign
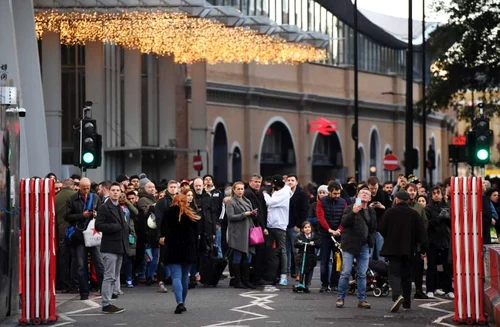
(391,162)
(197,163)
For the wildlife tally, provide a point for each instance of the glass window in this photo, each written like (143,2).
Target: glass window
(272,10)
(310,13)
(292,15)
(251,7)
(279,11)
(265,8)
(317,17)
(286,12)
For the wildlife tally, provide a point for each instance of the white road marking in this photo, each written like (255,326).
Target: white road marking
(65,316)
(432,305)
(259,300)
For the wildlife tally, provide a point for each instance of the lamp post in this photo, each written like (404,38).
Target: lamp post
(409,96)
(355,132)
(424,106)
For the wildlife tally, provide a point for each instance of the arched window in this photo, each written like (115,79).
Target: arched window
(220,154)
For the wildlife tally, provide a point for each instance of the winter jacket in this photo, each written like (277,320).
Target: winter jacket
(384,199)
(310,251)
(329,213)
(299,207)
(358,229)
(115,231)
(61,210)
(278,207)
(258,202)
(239,225)
(402,228)
(439,230)
(421,211)
(181,237)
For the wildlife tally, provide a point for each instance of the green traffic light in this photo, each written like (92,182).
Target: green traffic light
(482,154)
(88,158)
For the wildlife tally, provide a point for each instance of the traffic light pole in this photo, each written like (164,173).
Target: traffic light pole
(357,159)
(409,95)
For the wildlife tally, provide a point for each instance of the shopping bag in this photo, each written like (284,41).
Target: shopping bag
(256,236)
(91,236)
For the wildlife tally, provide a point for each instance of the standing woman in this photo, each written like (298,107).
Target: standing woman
(240,216)
(189,193)
(179,234)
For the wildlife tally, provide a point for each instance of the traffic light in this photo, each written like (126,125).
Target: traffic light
(90,144)
(479,142)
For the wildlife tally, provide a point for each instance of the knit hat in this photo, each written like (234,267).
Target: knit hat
(143,181)
(403,195)
(277,180)
(323,188)
(121,178)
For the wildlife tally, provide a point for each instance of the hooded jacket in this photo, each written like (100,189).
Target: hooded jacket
(278,208)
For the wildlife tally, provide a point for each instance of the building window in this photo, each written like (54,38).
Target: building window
(72,95)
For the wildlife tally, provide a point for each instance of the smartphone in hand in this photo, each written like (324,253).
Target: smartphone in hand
(358,201)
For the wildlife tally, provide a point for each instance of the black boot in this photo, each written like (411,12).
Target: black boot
(237,282)
(192,282)
(245,276)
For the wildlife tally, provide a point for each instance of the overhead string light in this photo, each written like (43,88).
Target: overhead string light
(164,33)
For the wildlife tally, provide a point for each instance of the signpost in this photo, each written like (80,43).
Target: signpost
(323,126)
(391,162)
(197,164)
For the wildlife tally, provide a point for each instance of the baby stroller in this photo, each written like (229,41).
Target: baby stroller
(377,279)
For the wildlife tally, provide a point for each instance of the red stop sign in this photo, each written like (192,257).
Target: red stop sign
(197,163)
(391,162)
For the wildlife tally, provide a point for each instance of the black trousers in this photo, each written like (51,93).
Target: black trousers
(64,281)
(439,270)
(418,271)
(400,269)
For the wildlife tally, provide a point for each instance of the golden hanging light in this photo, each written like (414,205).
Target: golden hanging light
(187,39)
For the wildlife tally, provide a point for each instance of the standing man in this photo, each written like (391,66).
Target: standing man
(256,197)
(81,208)
(206,227)
(278,207)
(359,225)
(64,278)
(329,210)
(387,188)
(123,180)
(215,210)
(402,229)
(103,190)
(299,208)
(380,202)
(114,245)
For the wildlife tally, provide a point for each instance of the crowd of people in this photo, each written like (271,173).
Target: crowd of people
(157,234)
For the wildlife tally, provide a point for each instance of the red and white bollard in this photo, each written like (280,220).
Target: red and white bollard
(37,252)
(467,243)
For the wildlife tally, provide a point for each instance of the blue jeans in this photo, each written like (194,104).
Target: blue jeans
(153,264)
(379,243)
(180,274)
(218,241)
(291,236)
(361,266)
(79,266)
(237,255)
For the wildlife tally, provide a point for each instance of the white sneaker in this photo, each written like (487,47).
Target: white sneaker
(450,295)
(440,292)
(283,280)
(430,295)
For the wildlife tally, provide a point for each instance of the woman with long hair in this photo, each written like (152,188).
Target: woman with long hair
(240,215)
(179,234)
(189,193)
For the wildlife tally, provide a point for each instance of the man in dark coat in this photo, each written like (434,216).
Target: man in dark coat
(299,209)
(262,253)
(402,229)
(64,279)
(216,212)
(359,225)
(81,208)
(114,245)
(439,233)
(380,202)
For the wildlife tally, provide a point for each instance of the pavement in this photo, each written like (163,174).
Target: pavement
(226,306)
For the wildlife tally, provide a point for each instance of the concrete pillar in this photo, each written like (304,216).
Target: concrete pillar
(35,128)
(95,92)
(133,111)
(198,115)
(51,80)
(167,107)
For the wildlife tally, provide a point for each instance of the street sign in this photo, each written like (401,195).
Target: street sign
(197,163)
(391,162)
(323,126)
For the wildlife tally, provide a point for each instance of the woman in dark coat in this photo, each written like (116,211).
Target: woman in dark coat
(179,234)
(240,215)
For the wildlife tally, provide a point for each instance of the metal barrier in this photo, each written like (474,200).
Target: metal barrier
(467,244)
(37,252)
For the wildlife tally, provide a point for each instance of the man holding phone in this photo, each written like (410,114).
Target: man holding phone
(380,202)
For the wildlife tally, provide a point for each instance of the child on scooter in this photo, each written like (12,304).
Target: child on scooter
(309,241)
